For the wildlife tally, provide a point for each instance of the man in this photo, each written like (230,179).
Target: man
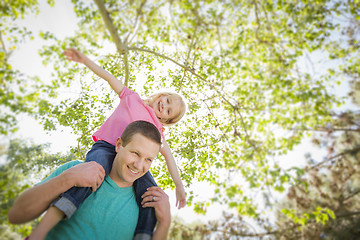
(111,212)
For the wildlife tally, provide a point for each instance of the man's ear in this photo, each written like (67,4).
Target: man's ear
(118,144)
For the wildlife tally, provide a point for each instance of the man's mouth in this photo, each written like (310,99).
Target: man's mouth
(133,171)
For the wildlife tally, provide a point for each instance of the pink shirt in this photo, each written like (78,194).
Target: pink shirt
(130,109)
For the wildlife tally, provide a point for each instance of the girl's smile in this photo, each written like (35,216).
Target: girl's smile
(166,107)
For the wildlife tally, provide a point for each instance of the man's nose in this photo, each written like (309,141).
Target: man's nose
(138,164)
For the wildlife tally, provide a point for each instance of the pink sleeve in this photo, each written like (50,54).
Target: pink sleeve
(126,92)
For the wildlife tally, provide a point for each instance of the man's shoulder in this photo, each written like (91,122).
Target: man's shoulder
(61,169)
(67,165)
(71,164)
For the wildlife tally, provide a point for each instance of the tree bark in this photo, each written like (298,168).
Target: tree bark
(120,45)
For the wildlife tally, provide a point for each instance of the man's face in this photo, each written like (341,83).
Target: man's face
(133,160)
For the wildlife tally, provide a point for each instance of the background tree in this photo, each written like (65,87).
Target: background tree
(25,165)
(18,91)
(332,183)
(324,201)
(239,64)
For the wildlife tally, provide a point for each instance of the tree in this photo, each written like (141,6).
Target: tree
(18,92)
(25,165)
(326,203)
(251,101)
(239,64)
(227,226)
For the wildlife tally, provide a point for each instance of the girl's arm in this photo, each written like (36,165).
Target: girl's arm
(174,173)
(77,56)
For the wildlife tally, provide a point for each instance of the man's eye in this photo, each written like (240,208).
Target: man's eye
(137,154)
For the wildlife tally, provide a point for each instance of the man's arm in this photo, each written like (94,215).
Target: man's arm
(162,210)
(34,201)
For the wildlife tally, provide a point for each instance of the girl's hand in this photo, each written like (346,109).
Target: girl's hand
(74,55)
(180,197)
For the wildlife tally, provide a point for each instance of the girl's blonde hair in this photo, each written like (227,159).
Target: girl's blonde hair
(175,119)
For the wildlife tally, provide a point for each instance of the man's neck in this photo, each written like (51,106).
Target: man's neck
(118,181)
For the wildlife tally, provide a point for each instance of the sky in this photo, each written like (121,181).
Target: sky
(26,59)
(62,19)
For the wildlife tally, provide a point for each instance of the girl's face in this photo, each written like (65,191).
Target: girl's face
(166,107)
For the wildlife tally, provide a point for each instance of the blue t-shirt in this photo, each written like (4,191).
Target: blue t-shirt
(109,213)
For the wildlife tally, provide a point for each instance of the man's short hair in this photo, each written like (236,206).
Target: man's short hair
(146,129)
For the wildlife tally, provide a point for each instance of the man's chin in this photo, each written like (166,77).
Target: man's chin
(134,178)
(140,176)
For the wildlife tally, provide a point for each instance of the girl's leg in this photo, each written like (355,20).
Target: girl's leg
(102,153)
(50,219)
(147,219)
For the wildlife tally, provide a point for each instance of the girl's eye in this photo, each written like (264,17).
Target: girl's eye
(168,101)
(168,111)
(149,159)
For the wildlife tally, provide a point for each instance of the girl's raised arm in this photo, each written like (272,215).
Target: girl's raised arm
(174,173)
(77,56)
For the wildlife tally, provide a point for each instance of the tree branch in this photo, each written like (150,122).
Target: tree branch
(110,26)
(185,68)
(351,195)
(203,79)
(127,72)
(136,24)
(347,214)
(350,151)
(324,129)
(168,58)
(120,46)
(4,48)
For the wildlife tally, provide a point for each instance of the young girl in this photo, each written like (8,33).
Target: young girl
(160,109)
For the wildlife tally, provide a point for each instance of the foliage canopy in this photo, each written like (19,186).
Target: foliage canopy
(241,65)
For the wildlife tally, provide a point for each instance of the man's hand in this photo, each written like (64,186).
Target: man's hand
(88,174)
(155,197)
(74,55)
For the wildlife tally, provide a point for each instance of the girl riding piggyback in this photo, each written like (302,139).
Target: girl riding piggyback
(163,109)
